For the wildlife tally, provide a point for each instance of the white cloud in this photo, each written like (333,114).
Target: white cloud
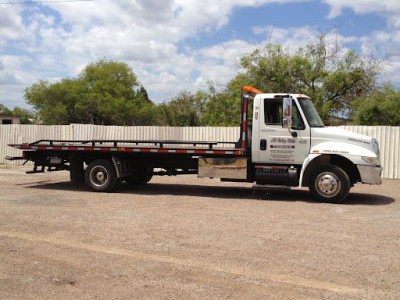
(13,77)
(10,25)
(363,6)
(388,8)
(391,69)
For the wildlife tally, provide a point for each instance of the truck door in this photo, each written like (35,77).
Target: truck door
(275,144)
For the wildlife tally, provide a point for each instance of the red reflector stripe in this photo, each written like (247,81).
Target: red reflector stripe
(219,152)
(271,168)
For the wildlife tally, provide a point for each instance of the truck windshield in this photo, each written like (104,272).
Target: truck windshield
(310,112)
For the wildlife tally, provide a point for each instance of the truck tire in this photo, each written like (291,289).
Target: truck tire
(329,183)
(141,177)
(76,170)
(100,176)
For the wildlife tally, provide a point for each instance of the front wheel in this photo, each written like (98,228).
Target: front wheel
(330,183)
(100,176)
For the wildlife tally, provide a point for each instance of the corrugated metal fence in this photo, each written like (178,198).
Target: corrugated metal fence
(388,137)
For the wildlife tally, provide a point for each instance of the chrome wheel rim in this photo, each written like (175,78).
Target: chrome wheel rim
(327,184)
(98,176)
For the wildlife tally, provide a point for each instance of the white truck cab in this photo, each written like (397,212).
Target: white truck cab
(287,132)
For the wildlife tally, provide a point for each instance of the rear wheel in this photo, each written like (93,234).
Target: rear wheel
(140,177)
(330,183)
(100,176)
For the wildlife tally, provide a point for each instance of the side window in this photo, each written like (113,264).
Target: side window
(273,114)
(273,111)
(297,120)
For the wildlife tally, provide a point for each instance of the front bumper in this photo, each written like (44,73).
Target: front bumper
(370,175)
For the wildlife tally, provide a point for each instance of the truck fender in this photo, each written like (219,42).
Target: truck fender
(318,159)
(117,166)
(123,168)
(306,162)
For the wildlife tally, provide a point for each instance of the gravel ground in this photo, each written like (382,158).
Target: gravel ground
(183,237)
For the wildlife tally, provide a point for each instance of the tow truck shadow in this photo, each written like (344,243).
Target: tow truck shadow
(368,199)
(293,195)
(222,192)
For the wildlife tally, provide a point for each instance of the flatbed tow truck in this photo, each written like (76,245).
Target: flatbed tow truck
(284,144)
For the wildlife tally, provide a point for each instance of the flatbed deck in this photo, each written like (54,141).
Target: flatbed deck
(137,146)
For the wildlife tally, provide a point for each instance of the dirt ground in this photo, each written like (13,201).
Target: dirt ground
(183,237)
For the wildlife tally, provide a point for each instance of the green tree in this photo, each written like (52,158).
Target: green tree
(186,109)
(55,103)
(222,108)
(26,116)
(4,110)
(104,93)
(382,107)
(143,93)
(331,76)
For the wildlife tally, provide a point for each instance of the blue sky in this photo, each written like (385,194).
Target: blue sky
(175,45)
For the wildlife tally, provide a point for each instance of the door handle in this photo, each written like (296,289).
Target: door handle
(263,144)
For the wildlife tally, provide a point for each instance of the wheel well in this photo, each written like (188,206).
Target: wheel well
(336,160)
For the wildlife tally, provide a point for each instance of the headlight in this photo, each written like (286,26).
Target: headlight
(375,144)
(372,160)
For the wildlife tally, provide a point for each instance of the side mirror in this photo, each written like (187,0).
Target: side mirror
(287,113)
